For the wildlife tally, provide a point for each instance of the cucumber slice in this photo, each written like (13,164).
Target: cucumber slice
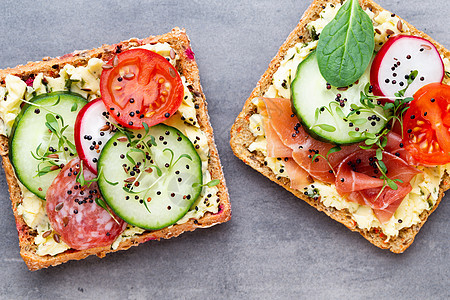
(319,107)
(156,200)
(30,136)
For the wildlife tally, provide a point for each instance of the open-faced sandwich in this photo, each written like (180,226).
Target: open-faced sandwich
(353,116)
(108,148)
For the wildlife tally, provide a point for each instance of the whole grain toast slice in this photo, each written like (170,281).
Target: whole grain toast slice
(187,66)
(242,137)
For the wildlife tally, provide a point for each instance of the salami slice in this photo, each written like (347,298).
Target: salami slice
(74,213)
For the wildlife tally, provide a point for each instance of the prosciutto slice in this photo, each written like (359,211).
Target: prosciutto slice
(290,133)
(358,178)
(361,178)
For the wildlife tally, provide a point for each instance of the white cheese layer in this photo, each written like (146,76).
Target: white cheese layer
(425,186)
(85,80)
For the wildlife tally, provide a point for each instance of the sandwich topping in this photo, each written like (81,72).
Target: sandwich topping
(94,167)
(372,145)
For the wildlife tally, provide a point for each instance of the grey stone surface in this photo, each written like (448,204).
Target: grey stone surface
(275,246)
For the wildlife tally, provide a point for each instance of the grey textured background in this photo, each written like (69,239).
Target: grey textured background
(275,246)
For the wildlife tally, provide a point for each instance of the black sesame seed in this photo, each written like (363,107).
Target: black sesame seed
(166,115)
(37,110)
(75,211)
(132,114)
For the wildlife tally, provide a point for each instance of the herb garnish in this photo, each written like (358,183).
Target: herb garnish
(346,45)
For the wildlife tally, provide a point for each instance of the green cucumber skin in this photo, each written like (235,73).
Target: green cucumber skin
(19,153)
(133,212)
(310,63)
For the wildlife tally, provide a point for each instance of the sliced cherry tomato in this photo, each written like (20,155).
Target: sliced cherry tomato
(139,86)
(426,125)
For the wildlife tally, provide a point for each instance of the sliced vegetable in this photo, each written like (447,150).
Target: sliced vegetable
(140,86)
(400,56)
(346,45)
(325,111)
(151,178)
(42,139)
(427,123)
(92,130)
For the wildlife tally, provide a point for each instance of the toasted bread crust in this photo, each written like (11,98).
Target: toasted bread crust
(179,41)
(242,137)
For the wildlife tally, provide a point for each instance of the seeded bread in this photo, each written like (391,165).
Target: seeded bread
(187,66)
(242,137)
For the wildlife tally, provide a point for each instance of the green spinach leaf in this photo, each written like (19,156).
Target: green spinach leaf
(346,45)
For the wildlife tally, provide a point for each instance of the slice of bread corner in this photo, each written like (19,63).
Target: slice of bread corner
(179,41)
(242,137)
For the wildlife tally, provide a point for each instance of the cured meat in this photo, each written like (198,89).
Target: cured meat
(384,215)
(396,147)
(299,178)
(291,134)
(358,178)
(74,214)
(275,147)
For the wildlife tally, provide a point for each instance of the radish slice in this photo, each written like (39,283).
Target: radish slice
(396,60)
(92,131)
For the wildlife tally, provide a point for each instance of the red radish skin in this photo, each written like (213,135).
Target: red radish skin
(92,131)
(397,58)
